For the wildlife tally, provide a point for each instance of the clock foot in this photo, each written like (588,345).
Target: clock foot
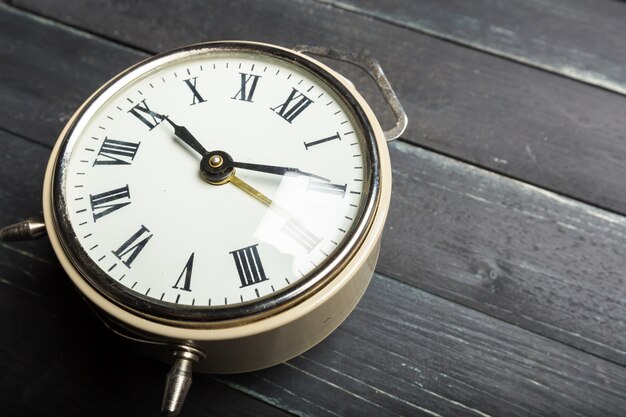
(30,229)
(179,380)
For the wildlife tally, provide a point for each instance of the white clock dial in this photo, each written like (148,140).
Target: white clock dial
(148,217)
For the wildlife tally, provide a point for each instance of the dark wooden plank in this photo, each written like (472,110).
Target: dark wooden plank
(526,123)
(46,71)
(57,358)
(406,352)
(579,39)
(402,352)
(518,252)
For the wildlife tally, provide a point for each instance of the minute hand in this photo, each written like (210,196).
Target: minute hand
(270,169)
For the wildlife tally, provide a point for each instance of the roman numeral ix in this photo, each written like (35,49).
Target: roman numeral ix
(191,83)
(187,276)
(116,152)
(293,106)
(248,85)
(109,201)
(142,112)
(249,266)
(133,246)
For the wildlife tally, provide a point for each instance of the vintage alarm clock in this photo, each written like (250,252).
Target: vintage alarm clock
(221,203)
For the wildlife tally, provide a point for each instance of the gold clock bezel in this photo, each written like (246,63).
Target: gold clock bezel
(194,316)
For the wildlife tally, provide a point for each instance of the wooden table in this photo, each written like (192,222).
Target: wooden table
(502,279)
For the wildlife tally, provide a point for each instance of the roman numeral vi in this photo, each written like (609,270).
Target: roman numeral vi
(249,267)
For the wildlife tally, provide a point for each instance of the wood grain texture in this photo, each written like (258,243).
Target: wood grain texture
(542,128)
(406,352)
(530,265)
(579,39)
(402,352)
(517,252)
(48,71)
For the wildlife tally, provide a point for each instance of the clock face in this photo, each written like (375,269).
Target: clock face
(214,179)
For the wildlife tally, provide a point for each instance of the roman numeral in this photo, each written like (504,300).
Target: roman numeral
(248,85)
(326,187)
(142,112)
(307,145)
(289,111)
(249,266)
(133,246)
(103,203)
(301,235)
(191,83)
(187,273)
(116,152)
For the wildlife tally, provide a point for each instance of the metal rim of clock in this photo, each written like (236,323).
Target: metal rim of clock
(258,308)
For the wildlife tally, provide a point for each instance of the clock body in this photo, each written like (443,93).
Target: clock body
(250,270)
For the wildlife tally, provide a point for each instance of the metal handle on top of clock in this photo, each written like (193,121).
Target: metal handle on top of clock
(373,68)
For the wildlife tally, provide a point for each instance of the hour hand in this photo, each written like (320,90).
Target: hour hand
(185,135)
(270,169)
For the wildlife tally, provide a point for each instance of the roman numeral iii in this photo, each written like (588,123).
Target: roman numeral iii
(293,106)
(191,83)
(109,201)
(116,152)
(326,187)
(248,85)
(142,112)
(249,267)
(133,246)
(187,276)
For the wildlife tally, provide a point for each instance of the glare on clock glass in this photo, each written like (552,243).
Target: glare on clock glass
(145,215)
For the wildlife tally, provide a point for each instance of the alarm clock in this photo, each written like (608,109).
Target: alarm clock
(221,203)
